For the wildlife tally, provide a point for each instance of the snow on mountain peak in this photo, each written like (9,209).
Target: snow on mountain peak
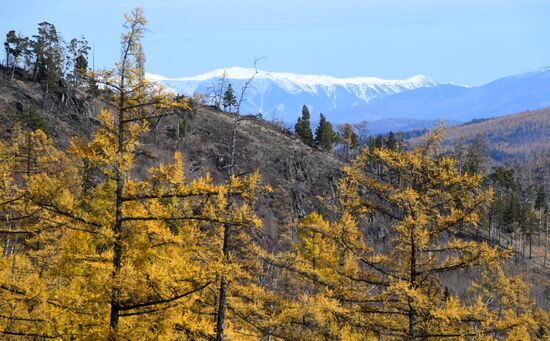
(302,80)
(281,95)
(284,93)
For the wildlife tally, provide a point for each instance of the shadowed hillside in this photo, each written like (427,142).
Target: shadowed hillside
(298,174)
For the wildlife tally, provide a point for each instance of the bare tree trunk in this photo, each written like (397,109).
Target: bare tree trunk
(546,242)
(222,302)
(540,224)
(412,310)
(117,227)
(521,244)
(13,67)
(530,246)
(7,59)
(491,228)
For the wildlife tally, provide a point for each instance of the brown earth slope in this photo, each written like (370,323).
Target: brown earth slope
(299,175)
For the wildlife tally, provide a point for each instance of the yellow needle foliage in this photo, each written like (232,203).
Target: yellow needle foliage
(91,250)
(357,289)
(107,254)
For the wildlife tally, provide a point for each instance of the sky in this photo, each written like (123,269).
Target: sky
(468,42)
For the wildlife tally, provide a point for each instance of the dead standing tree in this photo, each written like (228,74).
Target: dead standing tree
(222,296)
(216,91)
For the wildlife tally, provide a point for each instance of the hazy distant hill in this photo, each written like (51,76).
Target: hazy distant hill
(510,137)
(386,125)
(504,96)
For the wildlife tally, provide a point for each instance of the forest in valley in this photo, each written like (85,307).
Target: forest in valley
(96,247)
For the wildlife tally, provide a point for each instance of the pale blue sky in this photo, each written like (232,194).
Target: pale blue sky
(465,41)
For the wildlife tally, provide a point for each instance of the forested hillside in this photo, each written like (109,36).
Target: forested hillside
(131,213)
(509,137)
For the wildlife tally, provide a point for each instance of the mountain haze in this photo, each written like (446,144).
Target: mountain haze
(508,95)
(416,102)
(283,94)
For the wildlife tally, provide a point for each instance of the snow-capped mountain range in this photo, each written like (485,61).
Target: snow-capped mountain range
(364,88)
(417,100)
(283,94)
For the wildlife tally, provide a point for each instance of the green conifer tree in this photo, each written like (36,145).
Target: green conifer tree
(540,202)
(229,99)
(324,135)
(392,141)
(303,126)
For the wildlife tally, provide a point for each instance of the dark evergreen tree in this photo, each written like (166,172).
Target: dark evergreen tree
(541,200)
(324,135)
(16,46)
(77,61)
(512,212)
(376,142)
(528,224)
(504,178)
(48,55)
(303,126)
(391,143)
(229,99)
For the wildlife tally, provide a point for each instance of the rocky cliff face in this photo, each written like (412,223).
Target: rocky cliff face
(62,113)
(303,178)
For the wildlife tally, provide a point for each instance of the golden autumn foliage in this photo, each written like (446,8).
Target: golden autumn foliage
(115,256)
(355,289)
(91,250)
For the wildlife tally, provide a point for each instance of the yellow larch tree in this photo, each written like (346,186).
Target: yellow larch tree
(131,257)
(30,233)
(356,289)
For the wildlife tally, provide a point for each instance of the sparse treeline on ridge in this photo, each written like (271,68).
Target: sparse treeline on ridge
(96,247)
(46,57)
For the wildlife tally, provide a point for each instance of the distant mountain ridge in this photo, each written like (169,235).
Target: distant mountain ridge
(508,95)
(412,103)
(283,94)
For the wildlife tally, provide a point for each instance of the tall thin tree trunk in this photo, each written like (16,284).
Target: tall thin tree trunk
(546,242)
(117,227)
(220,318)
(540,224)
(412,310)
(530,247)
(491,228)
(222,301)
(13,68)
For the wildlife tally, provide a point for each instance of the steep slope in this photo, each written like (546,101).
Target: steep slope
(61,114)
(299,175)
(303,179)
